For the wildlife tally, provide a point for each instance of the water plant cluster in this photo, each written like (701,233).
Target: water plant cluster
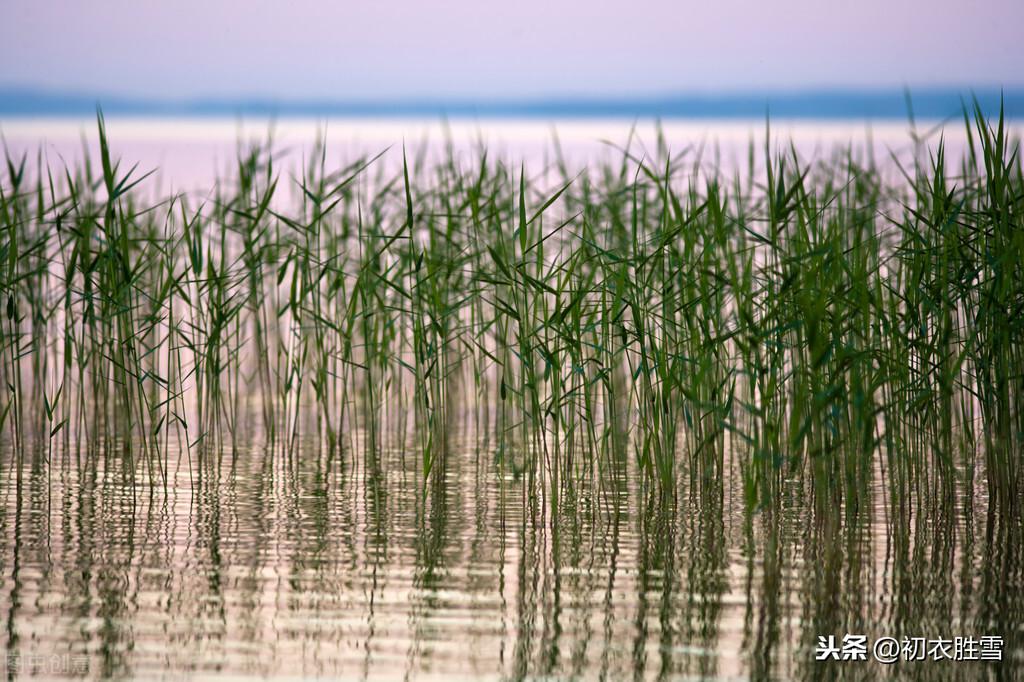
(825,321)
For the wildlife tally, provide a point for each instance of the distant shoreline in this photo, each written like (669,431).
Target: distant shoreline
(823,104)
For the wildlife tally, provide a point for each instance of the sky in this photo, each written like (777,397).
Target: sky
(522,48)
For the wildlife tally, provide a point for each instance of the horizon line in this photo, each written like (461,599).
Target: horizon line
(937,102)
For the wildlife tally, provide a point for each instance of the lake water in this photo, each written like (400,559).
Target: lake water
(264,562)
(258,564)
(189,154)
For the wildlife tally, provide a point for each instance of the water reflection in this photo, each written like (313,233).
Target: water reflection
(261,563)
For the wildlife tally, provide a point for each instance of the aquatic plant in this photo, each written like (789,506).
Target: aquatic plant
(812,319)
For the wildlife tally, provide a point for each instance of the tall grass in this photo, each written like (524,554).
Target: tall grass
(813,319)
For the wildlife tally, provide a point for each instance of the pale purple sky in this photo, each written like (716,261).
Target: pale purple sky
(476,48)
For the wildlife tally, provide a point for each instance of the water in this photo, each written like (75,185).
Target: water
(291,564)
(190,154)
(255,563)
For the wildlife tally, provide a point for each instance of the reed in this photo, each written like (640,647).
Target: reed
(810,319)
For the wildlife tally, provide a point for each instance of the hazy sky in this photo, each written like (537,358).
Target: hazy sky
(477,48)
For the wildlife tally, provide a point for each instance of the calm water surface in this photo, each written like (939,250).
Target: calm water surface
(260,563)
(191,154)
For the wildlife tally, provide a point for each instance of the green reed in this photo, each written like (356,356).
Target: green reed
(821,319)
